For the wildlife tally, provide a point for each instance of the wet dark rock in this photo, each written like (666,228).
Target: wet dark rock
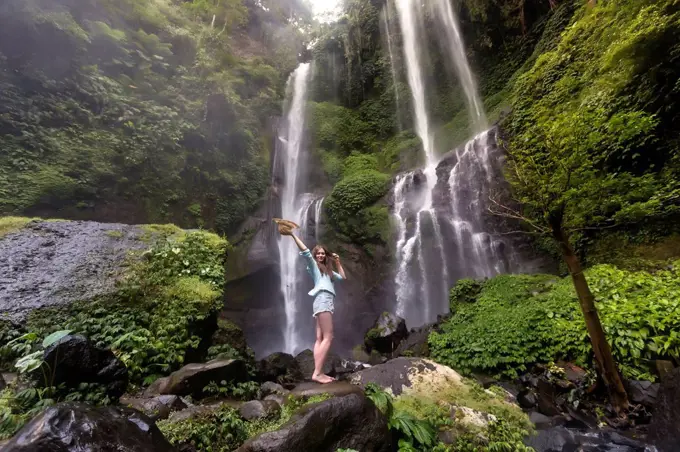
(350,422)
(62,262)
(269,387)
(415,344)
(3,384)
(541,421)
(192,378)
(281,368)
(345,368)
(573,373)
(259,409)
(580,419)
(643,392)
(664,430)
(335,388)
(527,399)
(305,360)
(156,408)
(386,334)
(546,398)
(75,427)
(561,439)
(74,359)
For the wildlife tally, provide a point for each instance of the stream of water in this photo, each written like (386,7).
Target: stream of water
(438,209)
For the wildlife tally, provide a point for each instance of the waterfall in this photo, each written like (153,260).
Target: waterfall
(293,205)
(386,14)
(456,49)
(439,209)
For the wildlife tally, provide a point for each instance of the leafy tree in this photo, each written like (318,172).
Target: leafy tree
(583,153)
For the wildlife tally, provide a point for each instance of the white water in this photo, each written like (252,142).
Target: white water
(293,205)
(386,14)
(440,226)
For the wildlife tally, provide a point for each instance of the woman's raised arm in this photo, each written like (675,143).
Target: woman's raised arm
(298,242)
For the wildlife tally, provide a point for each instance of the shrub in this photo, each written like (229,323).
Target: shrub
(519,320)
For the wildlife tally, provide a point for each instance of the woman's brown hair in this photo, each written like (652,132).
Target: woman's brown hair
(327,265)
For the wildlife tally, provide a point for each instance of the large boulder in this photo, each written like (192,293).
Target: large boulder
(409,375)
(305,361)
(664,430)
(76,427)
(192,378)
(63,262)
(387,333)
(351,422)
(279,367)
(643,392)
(74,359)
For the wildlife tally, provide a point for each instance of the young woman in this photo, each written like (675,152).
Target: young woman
(320,267)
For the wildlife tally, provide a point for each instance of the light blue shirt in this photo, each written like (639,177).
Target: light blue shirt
(321,282)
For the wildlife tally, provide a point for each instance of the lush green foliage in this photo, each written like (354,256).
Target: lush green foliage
(591,137)
(224,430)
(350,208)
(142,110)
(419,418)
(519,320)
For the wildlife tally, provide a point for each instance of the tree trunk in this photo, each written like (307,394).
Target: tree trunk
(603,353)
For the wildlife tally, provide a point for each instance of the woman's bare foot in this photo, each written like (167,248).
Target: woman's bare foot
(322,378)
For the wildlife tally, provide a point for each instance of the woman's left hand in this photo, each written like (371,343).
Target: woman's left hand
(335,257)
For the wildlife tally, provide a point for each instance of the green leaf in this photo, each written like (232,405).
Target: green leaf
(54,337)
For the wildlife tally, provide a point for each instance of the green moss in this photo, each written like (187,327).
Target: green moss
(115,234)
(12,224)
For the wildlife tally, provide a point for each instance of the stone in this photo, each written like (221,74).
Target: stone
(3,383)
(573,373)
(280,368)
(664,430)
(541,421)
(192,378)
(278,398)
(376,358)
(259,409)
(74,359)
(471,419)
(349,422)
(643,392)
(345,368)
(546,398)
(335,389)
(305,360)
(67,427)
(408,375)
(416,344)
(156,408)
(527,399)
(559,439)
(386,334)
(269,387)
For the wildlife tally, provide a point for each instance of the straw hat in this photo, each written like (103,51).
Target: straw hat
(285,227)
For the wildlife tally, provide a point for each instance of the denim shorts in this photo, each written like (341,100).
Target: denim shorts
(324,302)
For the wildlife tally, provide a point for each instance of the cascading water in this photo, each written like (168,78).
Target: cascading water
(439,209)
(456,48)
(387,31)
(293,206)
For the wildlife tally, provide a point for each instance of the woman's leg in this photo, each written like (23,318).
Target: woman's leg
(324,338)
